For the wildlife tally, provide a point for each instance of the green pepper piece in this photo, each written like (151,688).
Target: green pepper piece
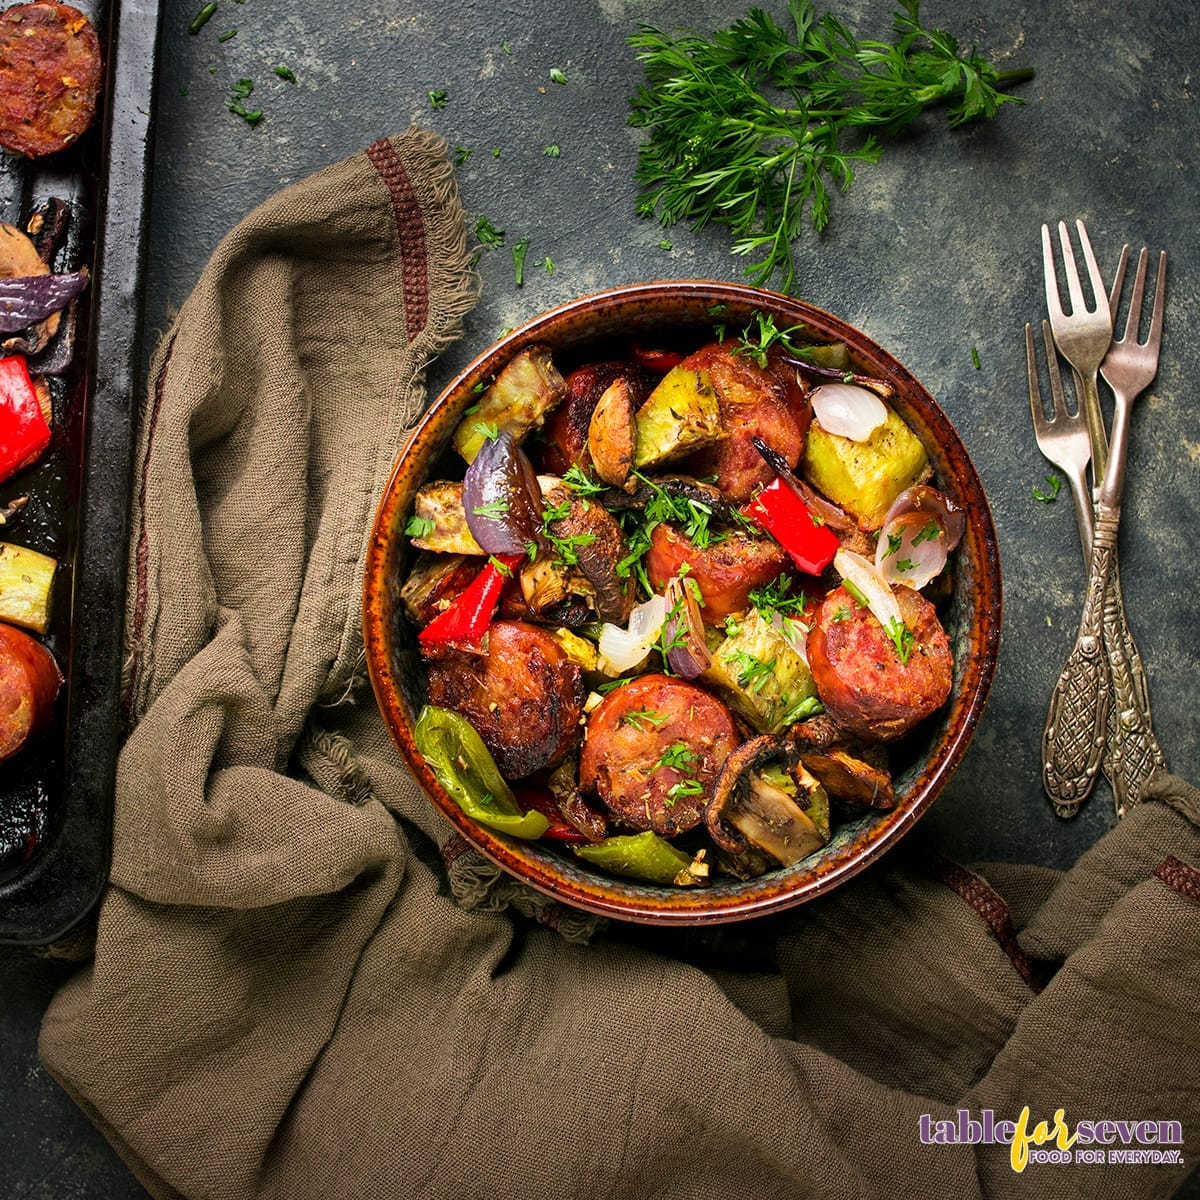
(456,754)
(638,855)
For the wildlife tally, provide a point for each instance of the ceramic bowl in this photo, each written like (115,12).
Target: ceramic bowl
(666,313)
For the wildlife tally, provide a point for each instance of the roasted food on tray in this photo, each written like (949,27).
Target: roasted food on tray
(50,76)
(673,608)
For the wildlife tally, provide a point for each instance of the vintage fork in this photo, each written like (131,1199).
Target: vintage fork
(1082,336)
(1073,741)
(1074,737)
(1132,753)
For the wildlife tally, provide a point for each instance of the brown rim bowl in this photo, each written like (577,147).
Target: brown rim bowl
(680,313)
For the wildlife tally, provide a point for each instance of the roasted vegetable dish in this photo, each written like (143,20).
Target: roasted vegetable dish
(675,607)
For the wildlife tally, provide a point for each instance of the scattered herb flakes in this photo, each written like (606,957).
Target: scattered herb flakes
(557,76)
(552,151)
(212,70)
(1053,483)
(286,74)
(202,18)
(496,152)
(438,98)
(227,35)
(461,154)
(902,639)
(239,91)
(665,245)
(419,527)
(975,362)
(488,234)
(519,250)
(549,265)
(506,47)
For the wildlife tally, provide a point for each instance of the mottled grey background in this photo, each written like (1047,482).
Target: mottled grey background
(935,251)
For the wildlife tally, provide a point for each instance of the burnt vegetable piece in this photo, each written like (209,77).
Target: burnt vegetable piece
(27,299)
(433,583)
(518,400)
(588,537)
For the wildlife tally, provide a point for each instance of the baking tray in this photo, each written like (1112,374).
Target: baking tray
(56,797)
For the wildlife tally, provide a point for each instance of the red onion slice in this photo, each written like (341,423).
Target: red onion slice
(502,498)
(930,502)
(912,549)
(688,653)
(847,410)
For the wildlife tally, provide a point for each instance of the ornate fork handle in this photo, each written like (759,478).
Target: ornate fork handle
(1073,740)
(1131,752)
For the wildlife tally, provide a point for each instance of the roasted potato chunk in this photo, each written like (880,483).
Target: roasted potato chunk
(865,477)
(440,515)
(612,435)
(680,415)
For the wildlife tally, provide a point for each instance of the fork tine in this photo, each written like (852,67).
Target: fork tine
(1114,293)
(1035,391)
(1056,387)
(1074,288)
(1135,298)
(1101,296)
(1160,296)
(1053,300)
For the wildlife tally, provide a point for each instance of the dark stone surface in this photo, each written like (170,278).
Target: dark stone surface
(935,251)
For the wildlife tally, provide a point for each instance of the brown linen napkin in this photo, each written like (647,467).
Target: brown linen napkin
(286,1001)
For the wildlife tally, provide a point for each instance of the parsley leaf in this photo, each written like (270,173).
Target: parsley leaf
(1054,484)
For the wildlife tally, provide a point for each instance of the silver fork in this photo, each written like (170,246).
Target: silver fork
(1084,334)
(1132,753)
(1100,665)
(1074,737)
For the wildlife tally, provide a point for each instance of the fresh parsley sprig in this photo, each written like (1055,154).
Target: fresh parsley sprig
(751,127)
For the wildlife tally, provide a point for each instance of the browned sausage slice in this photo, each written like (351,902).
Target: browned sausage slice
(29,683)
(50,73)
(524,697)
(653,750)
(859,675)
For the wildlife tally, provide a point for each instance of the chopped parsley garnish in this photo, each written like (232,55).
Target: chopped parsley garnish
(777,597)
(438,99)
(799,710)
(557,75)
(1054,483)
(665,245)
(642,717)
(489,430)
(202,17)
(566,548)
(581,483)
(549,265)
(503,568)
(686,787)
(519,250)
(240,91)
(461,154)
(419,527)
(905,564)
(680,756)
(487,233)
(975,359)
(895,541)
(286,74)
(754,343)
(753,673)
(902,639)
(842,614)
(929,533)
(856,592)
(495,510)
(227,35)
(613,684)
(552,151)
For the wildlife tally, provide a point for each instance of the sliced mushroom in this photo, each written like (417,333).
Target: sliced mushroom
(733,782)
(612,435)
(596,541)
(851,779)
(767,817)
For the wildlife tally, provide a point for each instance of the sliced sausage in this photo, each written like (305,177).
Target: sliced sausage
(50,73)
(29,683)
(653,750)
(524,696)
(859,675)
(727,570)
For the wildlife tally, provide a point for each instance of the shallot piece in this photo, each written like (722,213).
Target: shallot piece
(929,501)
(847,410)
(623,649)
(861,576)
(911,549)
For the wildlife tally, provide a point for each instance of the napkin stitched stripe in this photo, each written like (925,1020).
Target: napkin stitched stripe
(1180,877)
(414,265)
(142,554)
(991,906)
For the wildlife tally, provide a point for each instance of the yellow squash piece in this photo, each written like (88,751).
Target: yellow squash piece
(865,477)
(26,578)
(680,415)
(518,400)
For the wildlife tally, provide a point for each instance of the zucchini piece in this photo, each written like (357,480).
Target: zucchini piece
(527,388)
(680,415)
(440,514)
(760,675)
(26,578)
(865,477)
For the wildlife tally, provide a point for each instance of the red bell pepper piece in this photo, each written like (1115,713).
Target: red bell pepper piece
(787,519)
(24,433)
(559,830)
(464,624)
(653,359)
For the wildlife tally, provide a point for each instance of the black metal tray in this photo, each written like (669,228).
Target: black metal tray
(56,796)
